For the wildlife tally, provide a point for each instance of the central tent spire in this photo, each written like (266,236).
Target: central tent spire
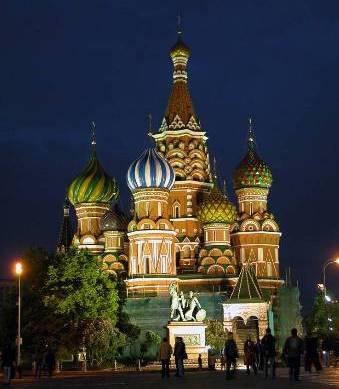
(180,111)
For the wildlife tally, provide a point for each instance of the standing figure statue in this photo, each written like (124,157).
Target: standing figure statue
(192,304)
(185,308)
(176,308)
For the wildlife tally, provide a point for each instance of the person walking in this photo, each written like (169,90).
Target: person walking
(231,355)
(294,347)
(179,355)
(7,362)
(200,362)
(50,362)
(165,353)
(311,354)
(259,355)
(38,363)
(249,355)
(268,350)
(222,362)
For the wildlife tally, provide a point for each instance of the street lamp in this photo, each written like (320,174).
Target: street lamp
(336,261)
(18,271)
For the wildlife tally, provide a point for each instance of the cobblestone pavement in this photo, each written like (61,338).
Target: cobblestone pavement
(327,379)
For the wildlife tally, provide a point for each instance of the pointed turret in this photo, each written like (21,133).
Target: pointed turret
(66,232)
(247,286)
(180,111)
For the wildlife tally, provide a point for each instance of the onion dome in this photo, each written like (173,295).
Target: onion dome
(93,184)
(180,49)
(114,220)
(252,171)
(216,208)
(150,170)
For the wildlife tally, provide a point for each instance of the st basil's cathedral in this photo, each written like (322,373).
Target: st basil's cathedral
(183,228)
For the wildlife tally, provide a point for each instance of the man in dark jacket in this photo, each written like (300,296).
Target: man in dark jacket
(179,355)
(231,355)
(268,349)
(294,347)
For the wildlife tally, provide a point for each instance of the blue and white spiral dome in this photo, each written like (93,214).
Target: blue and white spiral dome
(150,170)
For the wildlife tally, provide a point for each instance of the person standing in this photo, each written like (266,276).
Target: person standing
(165,353)
(259,355)
(200,362)
(294,347)
(7,359)
(231,355)
(38,363)
(50,362)
(222,362)
(179,355)
(268,349)
(249,355)
(311,354)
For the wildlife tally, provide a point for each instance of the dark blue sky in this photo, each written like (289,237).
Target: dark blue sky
(66,63)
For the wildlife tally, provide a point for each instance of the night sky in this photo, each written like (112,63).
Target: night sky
(66,63)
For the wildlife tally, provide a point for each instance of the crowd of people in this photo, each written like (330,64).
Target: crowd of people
(44,360)
(259,355)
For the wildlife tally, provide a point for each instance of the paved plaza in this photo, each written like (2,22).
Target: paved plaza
(328,378)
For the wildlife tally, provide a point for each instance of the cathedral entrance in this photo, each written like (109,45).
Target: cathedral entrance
(241,331)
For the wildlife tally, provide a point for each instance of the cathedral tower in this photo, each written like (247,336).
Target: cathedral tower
(91,193)
(256,236)
(114,226)
(182,141)
(150,233)
(217,215)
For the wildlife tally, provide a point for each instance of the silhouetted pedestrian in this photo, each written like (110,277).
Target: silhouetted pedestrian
(165,353)
(7,363)
(222,362)
(249,355)
(179,355)
(50,362)
(38,359)
(231,355)
(200,362)
(259,355)
(294,347)
(268,349)
(312,354)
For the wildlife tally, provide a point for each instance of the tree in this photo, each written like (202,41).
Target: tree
(40,324)
(318,320)
(79,291)
(215,335)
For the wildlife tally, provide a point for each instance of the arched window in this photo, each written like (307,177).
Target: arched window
(176,210)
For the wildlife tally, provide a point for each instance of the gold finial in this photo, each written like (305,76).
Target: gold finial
(179,27)
(150,130)
(93,134)
(225,189)
(251,141)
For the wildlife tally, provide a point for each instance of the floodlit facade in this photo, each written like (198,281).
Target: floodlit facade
(183,228)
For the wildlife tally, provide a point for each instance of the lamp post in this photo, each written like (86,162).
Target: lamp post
(18,271)
(331,261)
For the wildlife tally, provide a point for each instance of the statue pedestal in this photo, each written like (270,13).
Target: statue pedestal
(193,335)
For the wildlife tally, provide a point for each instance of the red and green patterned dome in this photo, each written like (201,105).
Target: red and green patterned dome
(216,208)
(252,171)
